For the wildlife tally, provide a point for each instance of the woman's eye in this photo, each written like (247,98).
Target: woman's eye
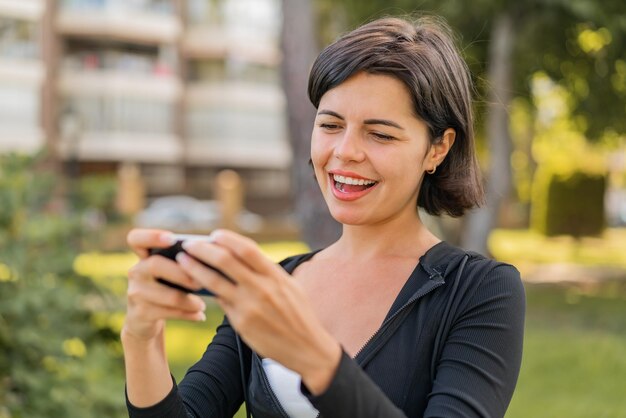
(329,126)
(382,136)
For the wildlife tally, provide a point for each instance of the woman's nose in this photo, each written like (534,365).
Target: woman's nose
(349,147)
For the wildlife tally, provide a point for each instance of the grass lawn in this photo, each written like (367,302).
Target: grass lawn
(574,356)
(574,364)
(524,246)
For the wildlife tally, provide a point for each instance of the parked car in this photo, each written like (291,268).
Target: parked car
(188,214)
(180,213)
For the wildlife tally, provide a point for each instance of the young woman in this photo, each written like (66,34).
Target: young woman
(388,321)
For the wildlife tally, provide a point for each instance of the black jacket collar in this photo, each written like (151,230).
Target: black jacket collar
(434,265)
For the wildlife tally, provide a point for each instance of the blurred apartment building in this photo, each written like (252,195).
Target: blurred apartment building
(179,89)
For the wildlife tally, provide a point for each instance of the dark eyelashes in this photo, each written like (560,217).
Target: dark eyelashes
(328,126)
(383,136)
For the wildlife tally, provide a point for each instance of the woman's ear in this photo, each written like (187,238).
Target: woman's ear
(440,149)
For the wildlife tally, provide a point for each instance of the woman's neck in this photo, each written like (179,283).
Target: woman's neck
(408,238)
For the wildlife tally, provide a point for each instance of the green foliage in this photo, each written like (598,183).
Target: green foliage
(97,191)
(570,204)
(57,359)
(568,187)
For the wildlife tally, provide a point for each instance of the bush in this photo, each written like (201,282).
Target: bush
(569,204)
(97,191)
(58,357)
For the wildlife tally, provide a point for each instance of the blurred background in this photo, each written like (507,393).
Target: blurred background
(192,114)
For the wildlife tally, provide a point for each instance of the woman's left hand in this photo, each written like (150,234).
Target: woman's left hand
(269,310)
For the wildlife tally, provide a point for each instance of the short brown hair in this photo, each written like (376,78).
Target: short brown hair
(421,54)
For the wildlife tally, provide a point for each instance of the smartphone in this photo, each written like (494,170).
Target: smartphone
(170,252)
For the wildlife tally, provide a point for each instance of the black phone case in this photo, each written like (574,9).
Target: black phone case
(170,252)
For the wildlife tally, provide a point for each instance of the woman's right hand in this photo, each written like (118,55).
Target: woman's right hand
(150,303)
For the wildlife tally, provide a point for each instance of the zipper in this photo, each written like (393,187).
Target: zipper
(426,289)
(436,280)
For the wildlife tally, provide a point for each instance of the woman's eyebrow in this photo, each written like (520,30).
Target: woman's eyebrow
(331,113)
(385,122)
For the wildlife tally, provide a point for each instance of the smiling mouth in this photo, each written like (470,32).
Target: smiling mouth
(351,185)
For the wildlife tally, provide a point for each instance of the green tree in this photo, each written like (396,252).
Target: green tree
(58,358)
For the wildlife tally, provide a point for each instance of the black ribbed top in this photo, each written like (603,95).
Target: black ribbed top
(451,346)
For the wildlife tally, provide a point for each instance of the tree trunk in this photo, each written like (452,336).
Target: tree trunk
(299,50)
(480,222)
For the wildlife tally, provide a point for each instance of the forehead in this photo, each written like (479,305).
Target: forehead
(370,95)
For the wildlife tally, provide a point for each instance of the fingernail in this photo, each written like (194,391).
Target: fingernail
(214,235)
(182,258)
(202,317)
(168,238)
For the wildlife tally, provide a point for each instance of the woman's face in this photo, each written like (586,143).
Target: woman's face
(369,151)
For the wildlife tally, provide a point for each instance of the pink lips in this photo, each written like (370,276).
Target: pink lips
(348,196)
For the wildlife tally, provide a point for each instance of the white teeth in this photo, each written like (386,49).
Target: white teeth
(353,181)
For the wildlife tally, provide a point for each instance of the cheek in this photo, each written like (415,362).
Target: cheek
(319,155)
(405,169)
(318,160)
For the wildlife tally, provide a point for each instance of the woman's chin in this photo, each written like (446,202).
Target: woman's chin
(350,218)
